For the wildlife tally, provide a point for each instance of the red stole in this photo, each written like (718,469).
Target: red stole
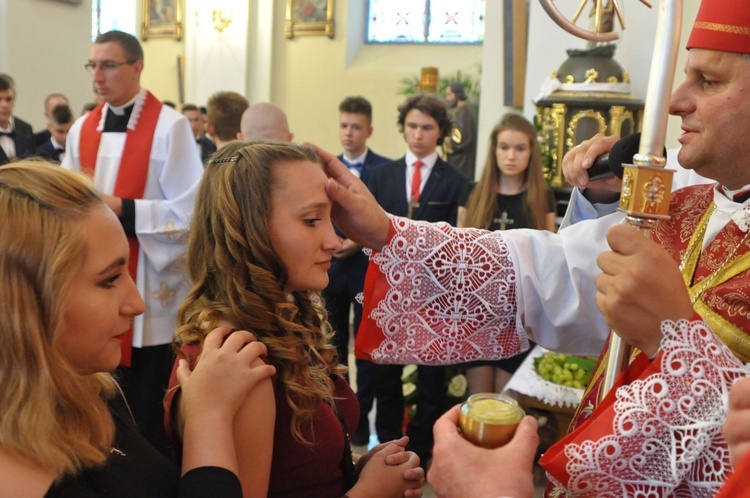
(131,176)
(725,306)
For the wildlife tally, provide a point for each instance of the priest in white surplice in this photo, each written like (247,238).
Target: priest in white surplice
(142,158)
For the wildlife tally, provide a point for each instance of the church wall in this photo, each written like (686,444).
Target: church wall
(312,74)
(43,46)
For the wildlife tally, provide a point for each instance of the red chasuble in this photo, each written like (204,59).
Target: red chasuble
(131,176)
(718,281)
(738,485)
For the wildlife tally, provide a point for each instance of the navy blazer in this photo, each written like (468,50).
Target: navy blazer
(41,137)
(47,151)
(352,270)
(438,200)
(24,147)
(23,127)
(207,149)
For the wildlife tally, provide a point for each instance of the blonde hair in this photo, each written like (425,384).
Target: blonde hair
(238,276)
(51,415)
(482,203)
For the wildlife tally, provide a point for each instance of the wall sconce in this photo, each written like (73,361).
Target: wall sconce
(221,19)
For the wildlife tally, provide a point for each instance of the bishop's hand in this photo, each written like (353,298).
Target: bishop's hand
(639,287)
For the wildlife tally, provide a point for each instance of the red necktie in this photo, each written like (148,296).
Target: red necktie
(416,181)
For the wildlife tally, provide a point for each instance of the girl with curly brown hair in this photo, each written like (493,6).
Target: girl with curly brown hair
(259,251)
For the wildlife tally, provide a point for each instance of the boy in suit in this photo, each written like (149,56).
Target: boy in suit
(59,122)
(50,102)
(203,144)
(349,265)
(13,142)
(421,186)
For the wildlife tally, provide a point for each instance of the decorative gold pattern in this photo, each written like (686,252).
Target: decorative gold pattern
(588,113)
(724,28)
(618,116)
(591,75)
(552,143)
(164,294)
(646,192)
(588,410)
(653,195)
(220,20)
(626,191)
(171,231)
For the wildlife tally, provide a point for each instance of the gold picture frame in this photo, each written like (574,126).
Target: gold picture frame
(309,17)
(162,19)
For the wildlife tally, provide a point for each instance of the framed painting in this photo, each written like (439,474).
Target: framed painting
(309,17)
(162,19)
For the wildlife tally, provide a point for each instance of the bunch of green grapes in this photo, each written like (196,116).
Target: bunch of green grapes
(569,371)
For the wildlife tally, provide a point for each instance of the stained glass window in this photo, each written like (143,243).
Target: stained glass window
(425,21)
(107,15)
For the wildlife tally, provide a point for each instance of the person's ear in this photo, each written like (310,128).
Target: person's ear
(138,66)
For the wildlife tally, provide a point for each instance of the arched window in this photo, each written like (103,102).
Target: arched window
(425,21)
(107,15)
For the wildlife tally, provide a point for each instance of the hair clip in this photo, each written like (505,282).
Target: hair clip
(226,160)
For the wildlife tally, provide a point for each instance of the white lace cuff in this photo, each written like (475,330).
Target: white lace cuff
(666,429)
(451,296)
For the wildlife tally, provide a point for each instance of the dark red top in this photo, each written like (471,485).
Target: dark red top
(298,470)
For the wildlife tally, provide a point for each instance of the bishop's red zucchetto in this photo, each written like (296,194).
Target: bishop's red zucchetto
(722,25)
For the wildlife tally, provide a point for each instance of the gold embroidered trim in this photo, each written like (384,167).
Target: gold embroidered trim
(724,273)
(728,270)
(733,336)
(724,28)
(690,260)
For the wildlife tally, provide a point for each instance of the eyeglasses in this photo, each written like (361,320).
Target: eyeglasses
(106,66)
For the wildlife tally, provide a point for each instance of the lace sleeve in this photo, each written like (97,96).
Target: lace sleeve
(664,431)
(450,298)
